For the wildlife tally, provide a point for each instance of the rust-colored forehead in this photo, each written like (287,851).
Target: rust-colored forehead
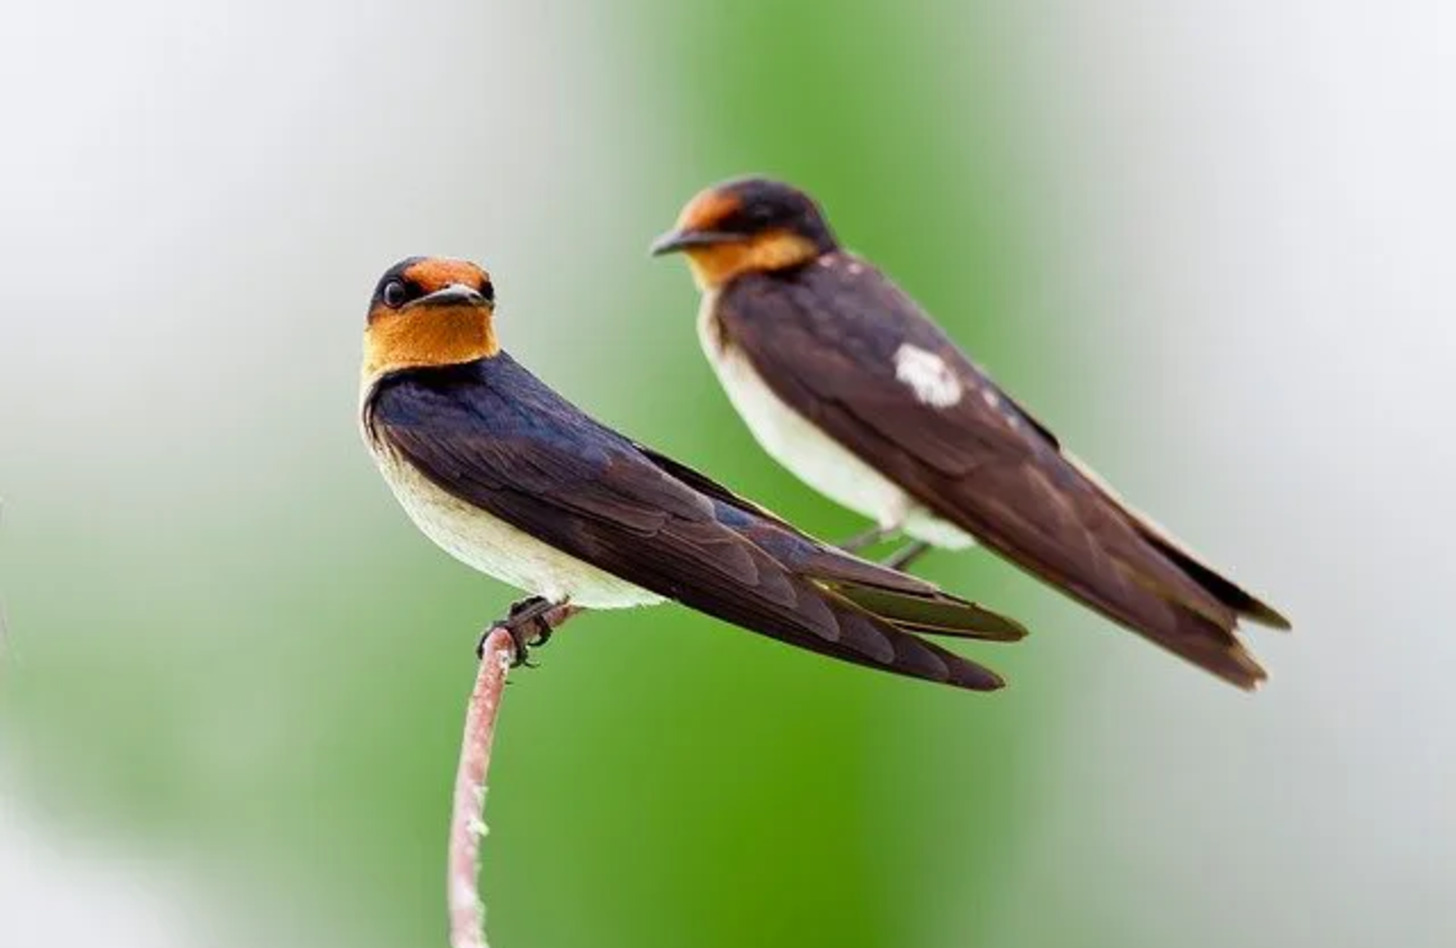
(708,208)
(436,274)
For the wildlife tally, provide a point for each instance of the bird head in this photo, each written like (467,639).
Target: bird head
(748,225)
(426,312)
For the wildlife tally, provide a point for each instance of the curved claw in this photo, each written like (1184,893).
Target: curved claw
(528,635)
(528,623)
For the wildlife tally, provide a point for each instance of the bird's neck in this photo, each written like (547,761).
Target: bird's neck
(427,339)
(716,265)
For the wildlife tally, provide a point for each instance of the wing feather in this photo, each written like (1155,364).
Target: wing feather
(495,437)
(825,341)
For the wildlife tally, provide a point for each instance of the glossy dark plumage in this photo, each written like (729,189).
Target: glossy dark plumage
(492,435)
(824,336)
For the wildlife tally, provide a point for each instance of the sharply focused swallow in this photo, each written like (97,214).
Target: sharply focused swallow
(515,481)
(844,380)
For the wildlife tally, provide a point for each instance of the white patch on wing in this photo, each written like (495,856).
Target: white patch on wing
(813,456)
(928,376)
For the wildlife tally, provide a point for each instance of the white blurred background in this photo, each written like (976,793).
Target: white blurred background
(1256,200)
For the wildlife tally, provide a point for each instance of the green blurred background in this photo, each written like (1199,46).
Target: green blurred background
(233,674)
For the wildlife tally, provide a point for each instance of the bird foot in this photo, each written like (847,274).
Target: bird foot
(907,554)
(864,538)
(530,623)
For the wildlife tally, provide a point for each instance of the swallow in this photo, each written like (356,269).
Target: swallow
(846,381)
(515,481)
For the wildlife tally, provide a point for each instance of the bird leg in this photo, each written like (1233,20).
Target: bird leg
(865,538)
(530,623)
(907,554)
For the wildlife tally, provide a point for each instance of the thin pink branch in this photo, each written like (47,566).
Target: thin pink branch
(467,826)
(467,821)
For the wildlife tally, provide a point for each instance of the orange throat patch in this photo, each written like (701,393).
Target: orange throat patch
(426,337)
(715,265)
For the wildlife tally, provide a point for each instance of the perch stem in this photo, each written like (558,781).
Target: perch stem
(467,822)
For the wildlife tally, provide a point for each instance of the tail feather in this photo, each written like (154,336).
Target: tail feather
(1119,563)
(837,605)
(1164,619)
(936,614)
(906,601)
(1210,646)
(1214,583)
(1220,587)
(870,641)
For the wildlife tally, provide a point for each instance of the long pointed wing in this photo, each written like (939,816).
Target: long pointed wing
(494,436)
(908,602)
(844,347)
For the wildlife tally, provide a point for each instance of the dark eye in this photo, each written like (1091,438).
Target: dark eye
(394,294)
(487,290)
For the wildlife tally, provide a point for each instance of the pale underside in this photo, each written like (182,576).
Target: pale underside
(494,547)
(813,456)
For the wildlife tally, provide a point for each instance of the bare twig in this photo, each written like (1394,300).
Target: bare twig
(467,822)
(467,928)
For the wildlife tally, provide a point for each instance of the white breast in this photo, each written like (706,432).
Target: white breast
(498,549)
(814,457)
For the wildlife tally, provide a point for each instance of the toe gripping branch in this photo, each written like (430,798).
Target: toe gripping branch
(530,623)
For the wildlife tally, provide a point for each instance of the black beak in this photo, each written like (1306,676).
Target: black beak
(676,240)
(456,294)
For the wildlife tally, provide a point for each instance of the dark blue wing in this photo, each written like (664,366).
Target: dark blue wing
(493,435)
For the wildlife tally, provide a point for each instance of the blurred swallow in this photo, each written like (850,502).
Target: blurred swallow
(510,478)
(844,380)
